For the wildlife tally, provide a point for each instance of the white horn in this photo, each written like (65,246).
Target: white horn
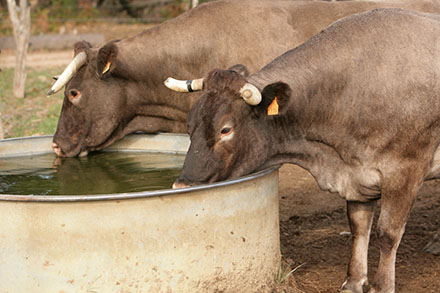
(68,73)
(184,86)
(250,94)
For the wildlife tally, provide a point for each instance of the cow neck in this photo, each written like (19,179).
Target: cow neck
(298,134)
(150,52)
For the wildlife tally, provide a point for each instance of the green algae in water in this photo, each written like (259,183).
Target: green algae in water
(98,173)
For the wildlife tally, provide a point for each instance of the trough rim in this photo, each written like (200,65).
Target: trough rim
(129,195)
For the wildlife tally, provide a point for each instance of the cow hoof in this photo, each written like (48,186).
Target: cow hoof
(346,290)
(372,290)
(352,287)
(433,247)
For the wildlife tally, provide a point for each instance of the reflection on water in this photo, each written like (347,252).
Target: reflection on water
(98,173)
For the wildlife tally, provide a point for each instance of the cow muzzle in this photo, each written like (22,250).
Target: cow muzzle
(177,185)
(57,149)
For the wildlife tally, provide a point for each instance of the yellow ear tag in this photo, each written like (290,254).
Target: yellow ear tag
(273,108)
(107,66)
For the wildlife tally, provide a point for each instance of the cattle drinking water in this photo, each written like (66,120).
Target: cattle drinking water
(358,106)
(117,89)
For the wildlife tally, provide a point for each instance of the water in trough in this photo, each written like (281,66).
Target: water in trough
(98,173)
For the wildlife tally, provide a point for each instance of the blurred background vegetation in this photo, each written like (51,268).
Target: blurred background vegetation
(37,114)
(51,15)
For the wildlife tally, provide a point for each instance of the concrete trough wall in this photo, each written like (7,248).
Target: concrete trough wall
(219,237)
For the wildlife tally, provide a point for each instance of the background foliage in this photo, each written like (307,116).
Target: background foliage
(49,15)
(36,114)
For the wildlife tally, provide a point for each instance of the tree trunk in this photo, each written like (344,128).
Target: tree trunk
(195,3)
(22,30)
(2,133)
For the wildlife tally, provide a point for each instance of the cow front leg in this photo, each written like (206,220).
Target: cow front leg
(396,203)
(360,217)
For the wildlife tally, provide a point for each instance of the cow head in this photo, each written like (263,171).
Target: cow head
(95,107)
(228,127)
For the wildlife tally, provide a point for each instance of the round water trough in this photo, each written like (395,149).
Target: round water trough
(217,237)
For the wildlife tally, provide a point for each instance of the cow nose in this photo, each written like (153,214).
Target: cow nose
(83,153)
(56,149)
(178,184)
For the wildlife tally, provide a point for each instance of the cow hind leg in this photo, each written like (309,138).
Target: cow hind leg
(360,217)
(397,199)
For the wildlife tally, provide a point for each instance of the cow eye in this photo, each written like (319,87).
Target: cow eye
(74,96)
(226,130)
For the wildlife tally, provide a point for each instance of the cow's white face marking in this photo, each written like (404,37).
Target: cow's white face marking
(227,132)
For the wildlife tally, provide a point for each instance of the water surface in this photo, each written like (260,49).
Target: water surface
(98,173)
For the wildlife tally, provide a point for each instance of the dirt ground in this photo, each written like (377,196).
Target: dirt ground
(311,222)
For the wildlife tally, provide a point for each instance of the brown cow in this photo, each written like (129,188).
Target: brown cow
(117,89)
(358,106)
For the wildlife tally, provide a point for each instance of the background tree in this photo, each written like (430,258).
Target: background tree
(21,22)
(2,133)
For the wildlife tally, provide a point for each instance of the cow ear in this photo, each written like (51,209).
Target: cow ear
(106,59)
(240,69)
(275,99)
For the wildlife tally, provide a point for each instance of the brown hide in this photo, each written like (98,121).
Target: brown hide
(100,108)
(359,107)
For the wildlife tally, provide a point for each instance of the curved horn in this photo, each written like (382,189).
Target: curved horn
(250,94)
(184,86)
(68,73)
